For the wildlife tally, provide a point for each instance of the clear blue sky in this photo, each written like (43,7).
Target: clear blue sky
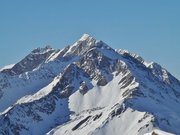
(150,28)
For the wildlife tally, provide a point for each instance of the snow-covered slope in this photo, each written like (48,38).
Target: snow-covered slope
(88,88)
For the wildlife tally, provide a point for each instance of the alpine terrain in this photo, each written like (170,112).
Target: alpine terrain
(88,88)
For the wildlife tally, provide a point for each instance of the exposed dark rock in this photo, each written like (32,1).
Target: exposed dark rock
(126,80)
(97,116)
(80,123)
(83,88)
(102,82)
(31,61)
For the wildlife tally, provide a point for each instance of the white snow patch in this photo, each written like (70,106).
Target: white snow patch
(126,123)
(41,93)
(98,96)
(7,67)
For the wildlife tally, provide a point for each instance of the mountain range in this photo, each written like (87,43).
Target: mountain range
(88,88)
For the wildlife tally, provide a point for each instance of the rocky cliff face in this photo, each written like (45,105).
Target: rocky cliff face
(88,88)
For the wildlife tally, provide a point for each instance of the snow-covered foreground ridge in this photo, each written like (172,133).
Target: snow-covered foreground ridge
(88,88)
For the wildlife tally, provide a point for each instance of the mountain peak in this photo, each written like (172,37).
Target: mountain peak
(81,45)
(87,88)
(85,36)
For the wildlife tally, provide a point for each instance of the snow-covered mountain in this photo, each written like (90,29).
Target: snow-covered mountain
(88,88)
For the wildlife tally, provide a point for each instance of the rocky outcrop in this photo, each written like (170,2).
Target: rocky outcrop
(31,61)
